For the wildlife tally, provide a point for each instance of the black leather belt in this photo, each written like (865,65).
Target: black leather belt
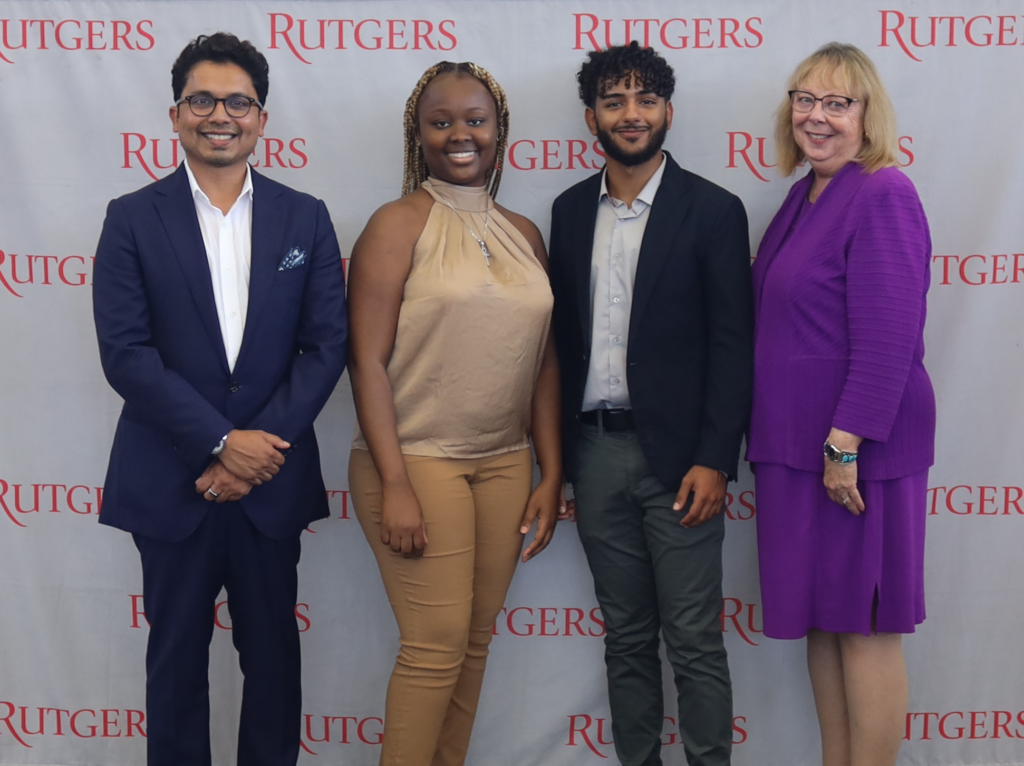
(609,420)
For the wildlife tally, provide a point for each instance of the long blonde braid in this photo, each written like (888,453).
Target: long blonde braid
(415,165)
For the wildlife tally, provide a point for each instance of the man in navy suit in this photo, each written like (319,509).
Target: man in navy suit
(220,311)
(650,267)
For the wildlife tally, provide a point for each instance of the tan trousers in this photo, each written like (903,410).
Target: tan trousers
(447,601)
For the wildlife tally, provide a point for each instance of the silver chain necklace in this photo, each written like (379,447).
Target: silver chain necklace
(479,240)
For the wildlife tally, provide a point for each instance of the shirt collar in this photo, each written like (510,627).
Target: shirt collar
(198,193)
(646,194)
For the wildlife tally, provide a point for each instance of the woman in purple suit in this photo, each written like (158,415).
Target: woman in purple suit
(839,285)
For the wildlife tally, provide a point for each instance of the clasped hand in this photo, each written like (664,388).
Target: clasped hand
(253,456)
(249,459)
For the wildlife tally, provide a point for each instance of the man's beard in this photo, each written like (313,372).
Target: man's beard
(632,159)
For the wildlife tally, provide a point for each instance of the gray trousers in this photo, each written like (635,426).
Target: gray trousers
(653,576)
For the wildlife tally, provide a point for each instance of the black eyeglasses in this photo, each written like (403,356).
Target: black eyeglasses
(203,105)
(834,106)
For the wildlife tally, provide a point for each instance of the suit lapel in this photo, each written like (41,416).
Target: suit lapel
(586,218)
(177,212)
(668,213)
(267,251)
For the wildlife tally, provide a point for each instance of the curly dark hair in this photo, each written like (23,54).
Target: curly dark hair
(221,48)
(604,68)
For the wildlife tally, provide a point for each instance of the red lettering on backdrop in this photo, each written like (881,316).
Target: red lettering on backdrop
(137,611)
(549,621)
(368,731)
(12,728)
(740,144)
(90,728)
(567,622)
(944,733)
(581,724)
(47,498)
(747,509)
(23,722)
(912,33)
(140,143)
(155,154)
(221,614)
(4,488)
(74,35)
(977,270)
(905,142)
(594,33)
(739,734)
(741,153)
(340,499)
(742,617)
(965,500)
(373,737)
(302,35)
(589,732)
(555,154)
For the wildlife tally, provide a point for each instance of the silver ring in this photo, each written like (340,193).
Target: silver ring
(846,500)
(212,494)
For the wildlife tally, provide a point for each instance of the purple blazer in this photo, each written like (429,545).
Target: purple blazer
(839,302)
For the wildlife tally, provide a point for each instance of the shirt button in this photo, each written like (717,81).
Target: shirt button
(615,300)
(617,339)
(616,256)
(615,381)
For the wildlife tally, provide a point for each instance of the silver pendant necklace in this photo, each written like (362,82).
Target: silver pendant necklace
(479,240)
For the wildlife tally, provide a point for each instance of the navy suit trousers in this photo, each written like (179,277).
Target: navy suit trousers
(181,581)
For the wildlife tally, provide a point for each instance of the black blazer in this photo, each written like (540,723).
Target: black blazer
(690,352)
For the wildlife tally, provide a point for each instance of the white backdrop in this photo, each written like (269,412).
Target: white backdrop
(84,91)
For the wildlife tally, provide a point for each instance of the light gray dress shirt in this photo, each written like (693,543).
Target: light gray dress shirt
(618,234)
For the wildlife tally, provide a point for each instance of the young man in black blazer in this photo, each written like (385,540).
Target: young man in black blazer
(650,267)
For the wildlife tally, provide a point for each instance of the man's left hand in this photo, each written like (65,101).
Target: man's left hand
(708,488)
(225,485)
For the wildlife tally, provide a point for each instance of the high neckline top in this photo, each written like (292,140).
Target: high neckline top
(471,331)
(468,199)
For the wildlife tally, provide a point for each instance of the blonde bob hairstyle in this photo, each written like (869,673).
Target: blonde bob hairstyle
(847,69)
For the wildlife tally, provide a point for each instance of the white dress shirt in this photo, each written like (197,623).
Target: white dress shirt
(228,240)
(618,234)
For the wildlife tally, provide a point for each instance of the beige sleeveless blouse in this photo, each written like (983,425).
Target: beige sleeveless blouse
(470,336)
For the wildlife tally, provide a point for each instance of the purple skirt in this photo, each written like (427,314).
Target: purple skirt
(823,568)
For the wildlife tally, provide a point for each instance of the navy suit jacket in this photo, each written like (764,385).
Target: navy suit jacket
(690,345)
(162,351)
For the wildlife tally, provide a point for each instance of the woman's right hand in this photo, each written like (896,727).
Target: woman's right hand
(402,527)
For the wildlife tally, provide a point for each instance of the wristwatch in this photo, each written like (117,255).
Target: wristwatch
(837,455)
(220,445)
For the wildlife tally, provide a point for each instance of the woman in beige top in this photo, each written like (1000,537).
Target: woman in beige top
(453,372)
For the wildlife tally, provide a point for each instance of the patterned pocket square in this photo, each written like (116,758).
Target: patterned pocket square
(294,258)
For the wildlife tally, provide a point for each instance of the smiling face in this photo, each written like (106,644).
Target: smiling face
(828,142)
(457,128)
(630,122)
(217,140)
